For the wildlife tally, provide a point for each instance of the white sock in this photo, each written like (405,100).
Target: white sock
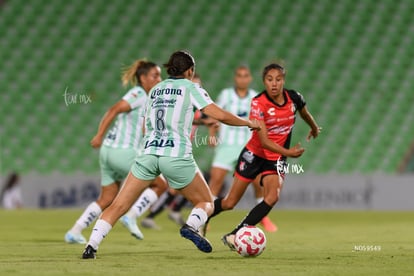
(197,218)
(147,198)
(259,199)
(99,232)
(88,216)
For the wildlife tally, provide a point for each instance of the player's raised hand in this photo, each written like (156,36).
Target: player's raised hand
(296,151)
(96,141)
(313,133)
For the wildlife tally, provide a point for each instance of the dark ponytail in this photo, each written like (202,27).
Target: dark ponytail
(179,62)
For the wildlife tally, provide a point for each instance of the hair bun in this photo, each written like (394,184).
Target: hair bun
(174,70)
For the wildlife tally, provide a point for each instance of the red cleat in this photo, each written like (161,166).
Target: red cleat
(268,225)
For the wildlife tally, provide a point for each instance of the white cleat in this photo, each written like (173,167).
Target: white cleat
(132,227)
(74,238)
(228,240)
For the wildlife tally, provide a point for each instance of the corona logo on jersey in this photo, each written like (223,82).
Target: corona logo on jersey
(165,91)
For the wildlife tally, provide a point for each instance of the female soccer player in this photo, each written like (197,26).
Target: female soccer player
(167,149)
(171,197)
(120,144)
(147,198)
(231,139)
(268,148)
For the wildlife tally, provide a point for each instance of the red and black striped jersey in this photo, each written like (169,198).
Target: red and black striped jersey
(279,121)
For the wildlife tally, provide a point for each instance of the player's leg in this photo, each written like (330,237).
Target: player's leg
(199,194)
(147,198)
(110,182)
(266,222)
(237,189)
(179,203)
(272,184)
(191,184)
(146,168)
(217,180)
(128,194)
(164,200)
(92,211)
(247,168)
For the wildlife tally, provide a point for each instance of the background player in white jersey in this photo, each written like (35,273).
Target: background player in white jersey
(120,145)
(231,139)
(168,150)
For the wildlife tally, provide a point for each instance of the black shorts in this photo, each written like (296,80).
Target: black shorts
(249,166)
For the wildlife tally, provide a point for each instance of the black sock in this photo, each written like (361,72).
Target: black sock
(180,204)
(217,207)
(161,206)
(254,216)
(169,199)
(217,210)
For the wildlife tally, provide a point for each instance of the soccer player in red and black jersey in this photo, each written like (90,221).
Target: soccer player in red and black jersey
(268,148)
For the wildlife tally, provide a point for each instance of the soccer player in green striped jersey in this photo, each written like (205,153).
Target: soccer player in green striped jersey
(119,147)
(231,140)
(167,149)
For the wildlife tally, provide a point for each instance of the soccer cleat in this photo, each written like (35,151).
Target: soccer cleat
(190,234)
(268,225)
(89,253)
(132,226)
(149,223)
(176,217)
(74,238)
(228,240)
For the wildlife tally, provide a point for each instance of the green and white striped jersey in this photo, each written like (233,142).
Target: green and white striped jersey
(230,101)
(127,130)
(169,117)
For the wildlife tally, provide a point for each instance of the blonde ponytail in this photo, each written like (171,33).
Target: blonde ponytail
(129,74)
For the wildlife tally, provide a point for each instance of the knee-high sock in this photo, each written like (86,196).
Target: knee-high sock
(99,232)
(254,216)
(144,202)
(197,218)
(88,216)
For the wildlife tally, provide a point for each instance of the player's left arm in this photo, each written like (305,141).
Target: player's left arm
(308,118)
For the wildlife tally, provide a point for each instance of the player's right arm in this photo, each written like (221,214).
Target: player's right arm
(268,144)
(107,119)
(257,113)
(228,118)
(202,101)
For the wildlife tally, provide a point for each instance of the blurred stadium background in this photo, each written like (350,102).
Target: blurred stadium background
(352,60)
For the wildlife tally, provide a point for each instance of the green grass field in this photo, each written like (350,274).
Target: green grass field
(307,243)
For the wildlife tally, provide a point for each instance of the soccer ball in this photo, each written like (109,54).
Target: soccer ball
(250,241)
